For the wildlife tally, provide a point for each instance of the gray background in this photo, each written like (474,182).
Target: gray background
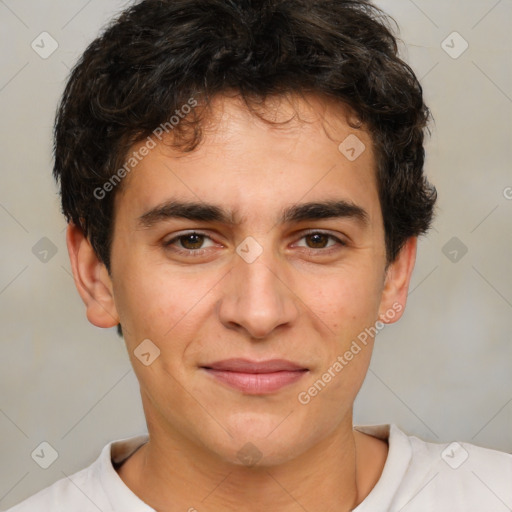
(443,373)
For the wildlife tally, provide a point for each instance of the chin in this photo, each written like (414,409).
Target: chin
(258,446)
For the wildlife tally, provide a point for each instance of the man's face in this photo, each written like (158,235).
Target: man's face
(248,272)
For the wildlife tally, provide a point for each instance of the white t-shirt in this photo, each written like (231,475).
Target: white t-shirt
(417,477)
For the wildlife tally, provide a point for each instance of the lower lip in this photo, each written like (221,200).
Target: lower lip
(257,383)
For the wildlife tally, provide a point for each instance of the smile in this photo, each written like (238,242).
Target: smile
(253,377)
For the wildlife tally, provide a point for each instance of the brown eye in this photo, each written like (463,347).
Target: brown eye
(190,244)
(191,241)
(317,240)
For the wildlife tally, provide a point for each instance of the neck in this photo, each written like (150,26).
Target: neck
(170,474)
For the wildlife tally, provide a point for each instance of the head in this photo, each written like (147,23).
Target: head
(244,180)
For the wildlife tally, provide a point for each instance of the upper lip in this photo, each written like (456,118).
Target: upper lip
(248,366)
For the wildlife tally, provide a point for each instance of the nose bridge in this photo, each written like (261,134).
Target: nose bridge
(260,284)
(256,299)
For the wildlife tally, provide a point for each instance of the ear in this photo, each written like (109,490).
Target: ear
(396,284)
(91,279)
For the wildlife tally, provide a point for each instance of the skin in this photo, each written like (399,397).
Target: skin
(298,301)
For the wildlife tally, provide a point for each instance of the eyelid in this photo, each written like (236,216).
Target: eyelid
(338,238)
(303,233)
(180,234)
(339,241)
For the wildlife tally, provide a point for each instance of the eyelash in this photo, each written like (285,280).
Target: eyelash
(199,252)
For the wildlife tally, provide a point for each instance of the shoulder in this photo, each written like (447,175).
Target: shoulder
(457,474)
(97,487)
(68,492)
(420,475)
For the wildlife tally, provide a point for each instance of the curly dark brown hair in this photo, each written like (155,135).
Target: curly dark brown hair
(160,53)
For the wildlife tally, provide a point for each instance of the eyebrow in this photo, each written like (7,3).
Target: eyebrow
(204,212)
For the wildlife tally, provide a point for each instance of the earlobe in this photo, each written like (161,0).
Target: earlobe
(396,286)
(91,279)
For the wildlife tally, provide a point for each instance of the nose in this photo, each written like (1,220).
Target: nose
(257,299)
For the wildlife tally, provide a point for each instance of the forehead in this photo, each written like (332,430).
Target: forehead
(286,150)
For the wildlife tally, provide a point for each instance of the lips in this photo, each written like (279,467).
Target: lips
(255,377)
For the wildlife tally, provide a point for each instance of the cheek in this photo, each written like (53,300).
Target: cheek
(346,301)
(155,303)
